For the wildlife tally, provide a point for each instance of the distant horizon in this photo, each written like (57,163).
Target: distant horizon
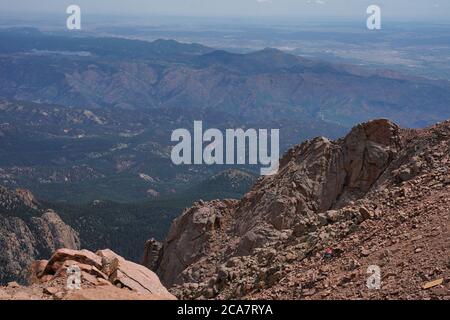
(243,19)
(410,10)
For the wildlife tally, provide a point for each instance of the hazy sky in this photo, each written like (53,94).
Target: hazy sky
(408,9)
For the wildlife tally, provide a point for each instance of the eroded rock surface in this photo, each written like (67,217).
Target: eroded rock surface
(28,232)
(309,231)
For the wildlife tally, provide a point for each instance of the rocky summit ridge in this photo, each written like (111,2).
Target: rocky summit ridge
(380,196)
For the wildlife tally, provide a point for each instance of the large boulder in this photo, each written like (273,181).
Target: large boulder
(84,275)
(131,275)
(101,274)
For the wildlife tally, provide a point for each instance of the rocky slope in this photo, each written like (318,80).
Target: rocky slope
(379,197)
(84,275)
(28,232)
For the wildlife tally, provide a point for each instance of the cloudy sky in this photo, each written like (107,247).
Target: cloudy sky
(407,9)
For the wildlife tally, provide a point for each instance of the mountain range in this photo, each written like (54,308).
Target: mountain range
(85,123)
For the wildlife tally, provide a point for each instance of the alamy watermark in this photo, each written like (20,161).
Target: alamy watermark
(240,147)
(374,280)
(73,278)
(374,20)
(74,20)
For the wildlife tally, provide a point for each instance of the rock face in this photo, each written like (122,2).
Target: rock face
(192,237)
(27,233)
(152,249)
(322,204)
(103,275)
(317,176)
(314,177)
